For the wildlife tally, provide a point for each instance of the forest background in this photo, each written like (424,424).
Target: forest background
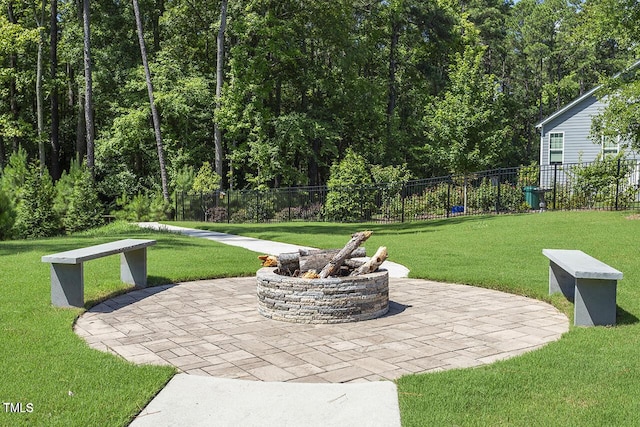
(273,93)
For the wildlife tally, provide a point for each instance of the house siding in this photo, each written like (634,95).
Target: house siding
(575,124)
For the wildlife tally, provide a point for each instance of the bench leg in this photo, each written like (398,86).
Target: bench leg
(595,302)
(561,281)
(133,267)
(67,285)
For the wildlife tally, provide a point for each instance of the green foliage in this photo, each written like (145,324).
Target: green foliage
(7,215)
(464,130)
(258,207)
(65,188)
(84,210)
(350,195)
(528,175)
(390,181)
(183,179)
(12,179)
(619,121)
(597,184)
(36,216)
(439,86)
(14,175)
(143,207)
(206,180)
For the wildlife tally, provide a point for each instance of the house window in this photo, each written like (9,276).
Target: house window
(556,148)
(610,145)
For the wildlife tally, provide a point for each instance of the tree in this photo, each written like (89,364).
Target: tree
(349,195)
(616,22)
(88,83)
(35,216)
(16,38)
(464,130)
(84,210)
(219,81)
(154,111)
(53,74)
(620,119)
(39,18)
(206,180)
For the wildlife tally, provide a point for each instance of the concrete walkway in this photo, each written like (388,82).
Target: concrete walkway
(266,247)
(239,368)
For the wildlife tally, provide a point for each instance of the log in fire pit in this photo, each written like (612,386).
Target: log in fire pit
(347,289)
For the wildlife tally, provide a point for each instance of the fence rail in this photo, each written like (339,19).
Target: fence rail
(609,184)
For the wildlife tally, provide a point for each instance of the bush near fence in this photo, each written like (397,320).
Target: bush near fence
(608,183)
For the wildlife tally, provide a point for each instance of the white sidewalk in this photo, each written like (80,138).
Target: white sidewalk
(256,245)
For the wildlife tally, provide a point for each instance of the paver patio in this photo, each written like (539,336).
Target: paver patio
(212,327)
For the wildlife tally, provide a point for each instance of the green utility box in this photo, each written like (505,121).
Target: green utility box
(532,196)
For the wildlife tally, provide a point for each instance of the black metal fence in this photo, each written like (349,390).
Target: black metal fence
(611,184)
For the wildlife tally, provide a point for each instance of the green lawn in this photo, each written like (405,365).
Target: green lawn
(590,377)
(46,365)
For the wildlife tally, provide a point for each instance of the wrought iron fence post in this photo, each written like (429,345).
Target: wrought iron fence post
(202,206)
(448,207)
(555,176)
(618,183)
(498,195)
(403,194)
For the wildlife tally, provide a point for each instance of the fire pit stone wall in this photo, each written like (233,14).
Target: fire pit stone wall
(330,300)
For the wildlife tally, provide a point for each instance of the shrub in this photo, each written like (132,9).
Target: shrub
(65,187)
(14,175)
(312,212)
(349,197)
(7,216)
(84,210)
(36,216)
(512,198)
(217,214)
(206,180)
(143,207)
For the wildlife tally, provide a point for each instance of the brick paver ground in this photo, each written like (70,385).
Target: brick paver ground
(212,327)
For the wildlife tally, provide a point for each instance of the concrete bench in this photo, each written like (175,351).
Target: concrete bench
(67,271)
(588,282)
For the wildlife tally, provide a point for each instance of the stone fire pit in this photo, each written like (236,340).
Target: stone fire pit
(329,300)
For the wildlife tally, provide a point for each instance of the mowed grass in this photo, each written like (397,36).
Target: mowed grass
(44,364)
(591,377)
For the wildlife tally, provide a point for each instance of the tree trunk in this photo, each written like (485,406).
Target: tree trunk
(334,265)
(88,89)
(392,95)
(39,94)
(154,111)
(80,130)
(219,80)
(12,84)
(55,117)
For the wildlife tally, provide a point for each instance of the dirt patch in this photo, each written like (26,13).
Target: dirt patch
(634,216)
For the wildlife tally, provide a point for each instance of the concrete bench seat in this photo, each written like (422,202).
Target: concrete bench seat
(586,281)
(67,270)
